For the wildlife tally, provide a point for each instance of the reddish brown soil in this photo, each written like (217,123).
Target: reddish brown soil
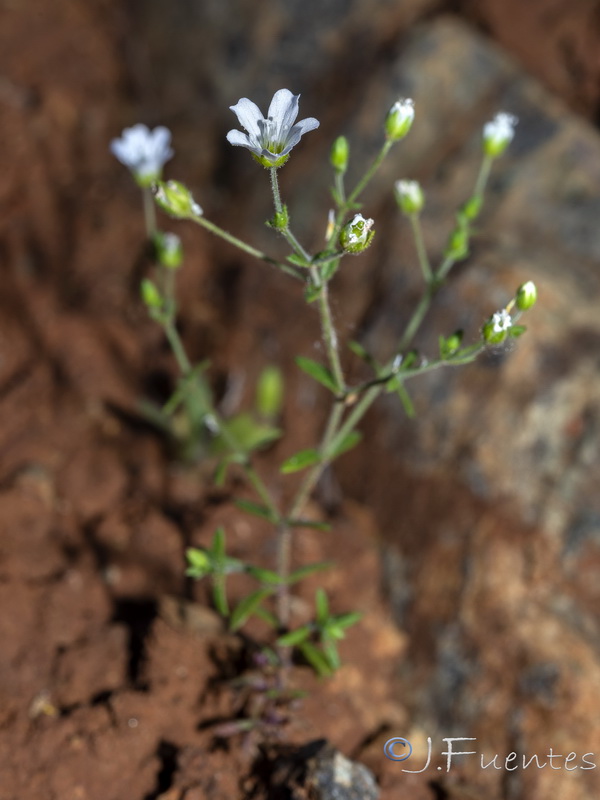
(111,668)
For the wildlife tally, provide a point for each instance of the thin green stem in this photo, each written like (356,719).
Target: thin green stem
(415,223)
(279,209)
(360,186)
(246,248)
(482,177)
(417,317)
(330,337)
(149,212)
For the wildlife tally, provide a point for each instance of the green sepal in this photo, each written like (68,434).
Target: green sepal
(301,460)
(319,372)
(517,330)
(244,610)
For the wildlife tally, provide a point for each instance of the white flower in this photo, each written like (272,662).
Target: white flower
(498,134)
(270,138)
(501,321)
(143,151)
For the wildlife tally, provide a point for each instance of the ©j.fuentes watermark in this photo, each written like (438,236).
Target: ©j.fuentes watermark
(399,749)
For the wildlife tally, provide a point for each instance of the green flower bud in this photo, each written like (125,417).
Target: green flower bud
(497,327)
(169,250)
(269,392)
(356,235)
(451,344)
(526,296)
(472,207)
(150,295)
(409,197)
(280,220)
(340,151)
(176,199)
(498,134)
(458,243)
(399,119)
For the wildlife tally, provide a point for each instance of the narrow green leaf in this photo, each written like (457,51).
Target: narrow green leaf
(312,292)
(220,475)
(404,397)
(310,569)
(319,372)
(316,659)
(329,269)
(332,655)
(267,617)
(220,596)
(301,460)
(347,443)
(298,261)
(217,547)
(264,575)
(346,620)
(198,559)
(321,606)
(294,637)
(257,510)
(247,607)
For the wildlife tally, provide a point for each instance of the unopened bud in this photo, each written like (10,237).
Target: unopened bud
(150,295)
(526,296)
(357,235)
(169,250)
(176,199)
(409,196)
(451,344)
(498,134)
(340,151)
(269,392)
(399,119)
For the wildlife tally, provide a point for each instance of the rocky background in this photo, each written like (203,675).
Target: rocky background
(484,508)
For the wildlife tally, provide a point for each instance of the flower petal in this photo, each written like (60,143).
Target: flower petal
(248,114)
(302,127)
(283,111)
(237,138)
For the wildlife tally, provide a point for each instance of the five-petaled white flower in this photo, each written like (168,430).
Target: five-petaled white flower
(501,321)
(143,151)
(270,138)
(498,134)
